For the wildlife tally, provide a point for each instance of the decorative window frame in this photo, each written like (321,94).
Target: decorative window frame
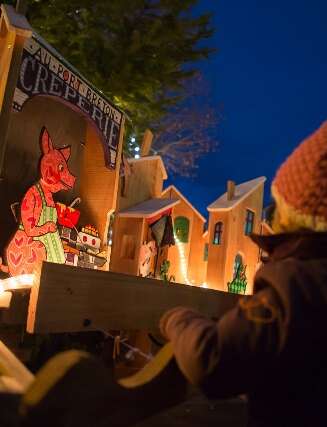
(249,221)
(217,233)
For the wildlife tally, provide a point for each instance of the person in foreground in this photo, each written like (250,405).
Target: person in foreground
(273,345)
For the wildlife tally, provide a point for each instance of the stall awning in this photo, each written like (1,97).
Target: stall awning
(149,208)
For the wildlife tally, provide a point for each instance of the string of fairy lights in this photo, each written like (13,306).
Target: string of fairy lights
(134,147)
(182,258)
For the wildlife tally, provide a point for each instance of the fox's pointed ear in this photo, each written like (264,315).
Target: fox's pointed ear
(45,141)
(65,152)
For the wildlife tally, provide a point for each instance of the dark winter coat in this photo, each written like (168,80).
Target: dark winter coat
(273,345)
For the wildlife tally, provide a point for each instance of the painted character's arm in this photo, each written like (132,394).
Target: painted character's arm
(30,212)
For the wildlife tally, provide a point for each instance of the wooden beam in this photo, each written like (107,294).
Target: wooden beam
(70,299)
(19,30)
(16,21)
(5,298)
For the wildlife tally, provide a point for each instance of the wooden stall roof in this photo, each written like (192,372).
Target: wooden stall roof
(151,158)
(148,208)
(172,187)
(67,64)
(70,299)
(241,191)
(18,23)
(15,21)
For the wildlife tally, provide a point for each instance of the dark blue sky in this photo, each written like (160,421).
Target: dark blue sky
(270,74)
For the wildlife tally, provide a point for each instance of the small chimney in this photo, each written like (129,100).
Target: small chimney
(230,189)
(146,143)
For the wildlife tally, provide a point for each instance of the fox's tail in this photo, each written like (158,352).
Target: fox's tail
(3,268)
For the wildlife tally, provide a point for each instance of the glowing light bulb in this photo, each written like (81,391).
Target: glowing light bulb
(137,156)
(137,148)
(133,139)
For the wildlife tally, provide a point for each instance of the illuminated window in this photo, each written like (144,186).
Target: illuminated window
(249,222)
(181,228)
(206,251)
(218,233)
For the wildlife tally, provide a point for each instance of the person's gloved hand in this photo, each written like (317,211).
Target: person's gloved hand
(172,318)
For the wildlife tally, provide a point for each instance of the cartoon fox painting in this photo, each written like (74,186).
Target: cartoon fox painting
(37,238)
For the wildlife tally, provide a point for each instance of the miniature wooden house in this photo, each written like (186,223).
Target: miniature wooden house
(187,256)
(232,218)
(137,219)
(38,89)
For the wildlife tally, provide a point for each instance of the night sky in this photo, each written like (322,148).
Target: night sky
(270,75)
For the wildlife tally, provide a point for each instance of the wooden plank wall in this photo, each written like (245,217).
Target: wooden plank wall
(7,40)
(144,183)
(127,240)
(98,185)
(197,267)
(69,299)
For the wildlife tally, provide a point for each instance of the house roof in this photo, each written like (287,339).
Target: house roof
(241,192)
(149,158)
(148,208)
(15,21)
(172,187)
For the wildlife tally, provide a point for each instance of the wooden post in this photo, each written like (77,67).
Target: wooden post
(18,29)
(146,143)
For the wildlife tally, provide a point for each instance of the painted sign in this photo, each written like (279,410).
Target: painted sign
(42,73)
(37,238)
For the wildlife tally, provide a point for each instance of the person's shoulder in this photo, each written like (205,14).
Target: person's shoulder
(277,272)
(292,277)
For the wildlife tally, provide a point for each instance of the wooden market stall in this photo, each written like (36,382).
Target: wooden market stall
(61,141)
(40,89)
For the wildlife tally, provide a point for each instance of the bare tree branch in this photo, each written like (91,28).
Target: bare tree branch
(188,132)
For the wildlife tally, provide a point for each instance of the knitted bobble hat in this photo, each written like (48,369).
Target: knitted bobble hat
(300,186)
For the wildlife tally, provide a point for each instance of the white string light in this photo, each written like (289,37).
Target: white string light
(182,258)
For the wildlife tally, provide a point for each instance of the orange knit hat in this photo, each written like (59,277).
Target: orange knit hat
(300,186)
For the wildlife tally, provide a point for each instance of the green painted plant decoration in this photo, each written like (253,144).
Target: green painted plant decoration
(164,276)
(239,283)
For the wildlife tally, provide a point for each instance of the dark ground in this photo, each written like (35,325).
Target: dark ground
(199,412)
